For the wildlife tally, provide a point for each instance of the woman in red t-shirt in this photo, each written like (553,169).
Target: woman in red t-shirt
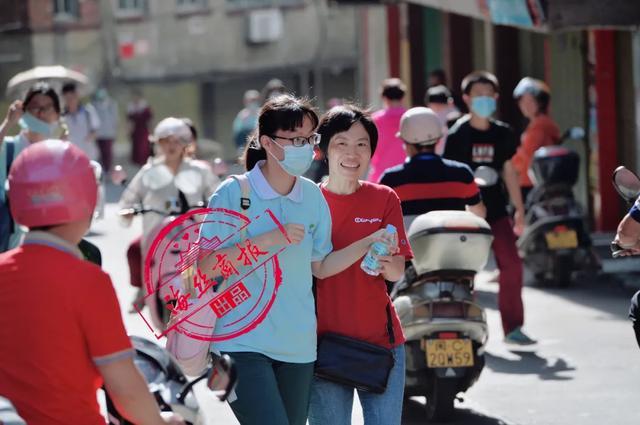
(353,303)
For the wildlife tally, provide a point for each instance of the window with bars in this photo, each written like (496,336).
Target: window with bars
(254,4)
(66,9)
(191,5)
(130,8)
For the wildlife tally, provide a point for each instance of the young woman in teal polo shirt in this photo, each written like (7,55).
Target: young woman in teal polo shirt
(275,359)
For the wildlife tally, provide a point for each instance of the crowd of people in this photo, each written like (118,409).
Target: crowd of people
(376,170)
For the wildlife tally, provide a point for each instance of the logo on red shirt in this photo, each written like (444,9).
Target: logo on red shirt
(367,220)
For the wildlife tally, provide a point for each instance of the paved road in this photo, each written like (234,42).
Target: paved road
(584,370)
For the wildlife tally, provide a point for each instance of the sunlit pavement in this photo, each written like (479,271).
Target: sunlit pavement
(584,369)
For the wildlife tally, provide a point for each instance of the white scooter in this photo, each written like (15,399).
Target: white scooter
(446,330)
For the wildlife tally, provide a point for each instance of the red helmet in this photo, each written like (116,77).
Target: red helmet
(50,183)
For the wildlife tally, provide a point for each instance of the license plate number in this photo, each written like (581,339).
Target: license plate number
(449,353)
(562,240)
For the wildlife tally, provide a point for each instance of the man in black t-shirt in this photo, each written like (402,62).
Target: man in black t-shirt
(476,139)
(425,181)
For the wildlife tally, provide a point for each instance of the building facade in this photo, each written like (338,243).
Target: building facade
(192,58)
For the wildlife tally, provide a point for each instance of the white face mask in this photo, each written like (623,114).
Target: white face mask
(297,160)
(36,125)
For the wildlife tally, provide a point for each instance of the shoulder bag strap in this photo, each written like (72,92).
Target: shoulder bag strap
(392,336)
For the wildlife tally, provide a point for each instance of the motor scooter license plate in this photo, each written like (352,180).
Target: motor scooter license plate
(449,353)
(562,240)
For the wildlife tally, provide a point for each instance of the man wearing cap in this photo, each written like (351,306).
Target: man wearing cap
(427,182)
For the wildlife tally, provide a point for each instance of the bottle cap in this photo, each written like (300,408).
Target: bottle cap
(391,228)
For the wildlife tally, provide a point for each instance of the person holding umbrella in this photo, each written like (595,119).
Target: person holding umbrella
(38,115)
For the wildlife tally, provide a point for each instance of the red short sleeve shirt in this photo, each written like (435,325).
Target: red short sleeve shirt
(353,303)
(59,319)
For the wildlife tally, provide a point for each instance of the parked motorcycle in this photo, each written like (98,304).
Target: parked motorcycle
(556,241)
(446,330)
(170,387)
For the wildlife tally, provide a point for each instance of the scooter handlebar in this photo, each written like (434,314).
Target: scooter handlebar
(618,251)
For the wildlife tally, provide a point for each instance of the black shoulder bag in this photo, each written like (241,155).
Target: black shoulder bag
(354,363)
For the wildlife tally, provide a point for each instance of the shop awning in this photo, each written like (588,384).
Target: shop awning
(540,15)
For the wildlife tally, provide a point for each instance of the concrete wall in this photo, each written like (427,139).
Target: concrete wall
(215,42)
(196,65)
(375,54)
(569,107)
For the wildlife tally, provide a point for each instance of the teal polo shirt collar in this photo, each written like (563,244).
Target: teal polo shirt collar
(264,189)
(37,237)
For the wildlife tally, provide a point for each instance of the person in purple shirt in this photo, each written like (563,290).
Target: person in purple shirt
(389,151)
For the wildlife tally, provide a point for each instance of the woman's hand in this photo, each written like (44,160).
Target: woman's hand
(379,236)
(14,113)
(391,266)
(294,232)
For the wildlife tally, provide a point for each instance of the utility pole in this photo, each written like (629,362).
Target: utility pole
(318,86)
(112,69)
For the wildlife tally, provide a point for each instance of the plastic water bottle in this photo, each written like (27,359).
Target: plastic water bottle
(370,264)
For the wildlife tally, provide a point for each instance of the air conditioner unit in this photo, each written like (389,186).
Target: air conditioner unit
(264,26)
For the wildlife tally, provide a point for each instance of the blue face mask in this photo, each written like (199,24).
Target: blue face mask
(483,106)
(36,125)
(296,160)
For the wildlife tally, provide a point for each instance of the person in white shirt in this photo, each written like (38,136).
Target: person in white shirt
(162,183)
(82,121)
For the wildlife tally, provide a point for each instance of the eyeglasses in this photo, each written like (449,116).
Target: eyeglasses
(298,142)
(35,110)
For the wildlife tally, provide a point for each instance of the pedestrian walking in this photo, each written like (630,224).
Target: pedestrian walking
(273,88)
(389,151)
(82,121)
(439,100)
(533,97)
(477,139)
(353,303)
(139,114)
(107,109)
(275,360)
(247,119)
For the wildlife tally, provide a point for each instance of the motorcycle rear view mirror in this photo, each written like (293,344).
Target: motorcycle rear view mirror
(222,377)
(576,133)
(627,183)
(118,176)
(485,176)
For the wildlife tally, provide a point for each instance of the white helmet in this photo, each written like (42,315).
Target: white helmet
(420,126)
(530,85)
(172,127)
